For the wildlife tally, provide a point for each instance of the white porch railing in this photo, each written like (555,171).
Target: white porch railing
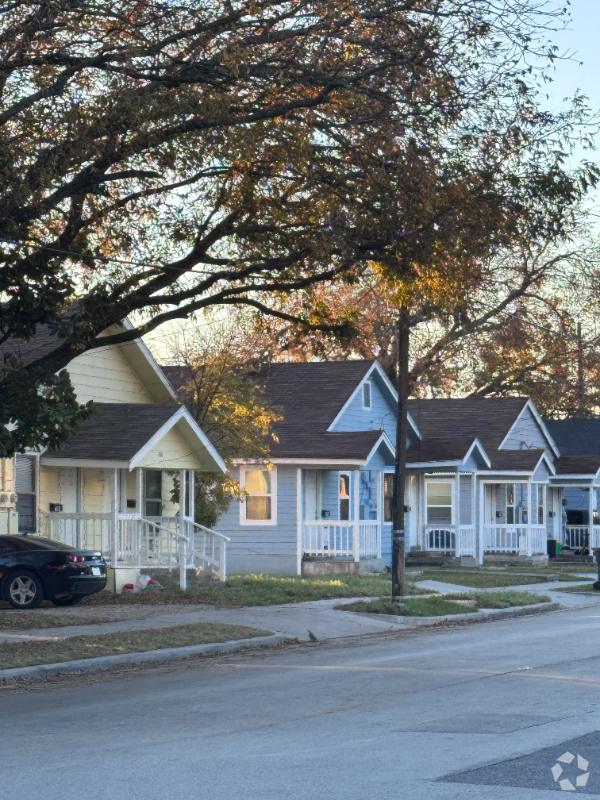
(578,537)
(129,540)
(341,539)
(518,539)
(460,540)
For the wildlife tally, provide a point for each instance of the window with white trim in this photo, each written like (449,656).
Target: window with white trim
(259,505)
(366,394)
(439,503)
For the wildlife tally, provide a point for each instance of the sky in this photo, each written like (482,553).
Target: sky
(580,40)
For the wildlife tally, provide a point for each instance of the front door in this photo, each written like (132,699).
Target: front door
(312,493)
(67,488)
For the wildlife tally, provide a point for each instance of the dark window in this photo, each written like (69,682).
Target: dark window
(388,495)
(25,489)
(153,493)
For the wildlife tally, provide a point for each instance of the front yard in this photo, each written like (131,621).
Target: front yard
(27,654)
(258,590)
(448,604)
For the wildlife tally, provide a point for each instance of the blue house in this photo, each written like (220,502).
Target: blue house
(326,491)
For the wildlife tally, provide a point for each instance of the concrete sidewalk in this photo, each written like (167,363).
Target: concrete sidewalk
(554,590)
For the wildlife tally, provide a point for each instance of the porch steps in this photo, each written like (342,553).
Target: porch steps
(567,558)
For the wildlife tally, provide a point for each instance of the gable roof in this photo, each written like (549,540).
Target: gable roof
(520,460)
(576,437)
(46,341)
(123,433)
(453,450)
(490,419)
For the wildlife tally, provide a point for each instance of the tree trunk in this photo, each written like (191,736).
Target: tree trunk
(398,532)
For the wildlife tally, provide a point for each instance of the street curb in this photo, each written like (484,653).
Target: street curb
(166,654)
(476,616)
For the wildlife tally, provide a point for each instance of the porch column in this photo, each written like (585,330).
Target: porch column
(591,519)
(139,491)
(356,537)
(113,521)
(183,545)
(529,518)
(191,494)
(481,526)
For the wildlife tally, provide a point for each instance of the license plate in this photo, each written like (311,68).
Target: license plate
(96,571)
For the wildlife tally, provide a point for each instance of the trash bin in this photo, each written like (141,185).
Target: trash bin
(552,548)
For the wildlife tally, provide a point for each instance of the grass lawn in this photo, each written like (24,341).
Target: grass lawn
(480,580)
(25,654)
(584,587)
(17,620)
(440,606)
(259,590)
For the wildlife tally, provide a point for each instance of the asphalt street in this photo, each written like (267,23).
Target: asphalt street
(481,711)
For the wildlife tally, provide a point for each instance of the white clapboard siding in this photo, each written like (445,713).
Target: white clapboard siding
(106,376)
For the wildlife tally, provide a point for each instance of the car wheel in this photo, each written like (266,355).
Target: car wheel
(67,600)
(24,590)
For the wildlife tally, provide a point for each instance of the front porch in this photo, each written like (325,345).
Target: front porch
(342,514)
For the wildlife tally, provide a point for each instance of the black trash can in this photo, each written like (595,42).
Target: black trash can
(552,548)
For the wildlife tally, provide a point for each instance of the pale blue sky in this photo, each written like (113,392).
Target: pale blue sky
(582,41)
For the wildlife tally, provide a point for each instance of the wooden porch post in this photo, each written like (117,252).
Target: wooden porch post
(455,513)
(481,553)
(192,494)
(139,491)
(183,545)
(591,518)
(529,519)
(356,537)
(113,520)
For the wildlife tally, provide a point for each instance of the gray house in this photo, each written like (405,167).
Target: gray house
(326,491)
(486,479)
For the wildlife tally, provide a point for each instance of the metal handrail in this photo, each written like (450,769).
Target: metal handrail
(206,530)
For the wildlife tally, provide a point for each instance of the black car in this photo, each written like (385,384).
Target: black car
(33,569)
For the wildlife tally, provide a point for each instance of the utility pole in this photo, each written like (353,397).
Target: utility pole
(398,531)
(580,374)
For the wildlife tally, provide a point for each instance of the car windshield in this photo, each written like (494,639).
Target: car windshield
(34,543)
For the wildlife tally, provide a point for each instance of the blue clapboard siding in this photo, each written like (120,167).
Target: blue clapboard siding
(381,415)
(525,433)
(270,548)
(465,500)
(541,474)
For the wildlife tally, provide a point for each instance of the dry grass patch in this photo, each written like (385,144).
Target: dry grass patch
(258,590)
(26,654)
(17,620)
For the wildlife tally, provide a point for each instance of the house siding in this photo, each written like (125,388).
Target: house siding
(171,452)
(525,434)
(465,500)
(381,416)
(273,548)
(106,376)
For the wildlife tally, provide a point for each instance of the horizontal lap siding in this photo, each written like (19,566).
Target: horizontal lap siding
(268,548)
(329,492)
(379,417)
(525,430)
(465,495)
(173,451)
(106,376)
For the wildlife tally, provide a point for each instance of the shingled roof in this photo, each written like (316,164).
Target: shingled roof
(490,419)
(577,465)
(576,437)
(116,431)
(449,449)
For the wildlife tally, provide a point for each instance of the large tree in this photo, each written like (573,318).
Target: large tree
(160,158)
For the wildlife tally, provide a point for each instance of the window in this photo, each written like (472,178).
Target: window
(259,505)
(25,489)
(388,496)
(367,394)
(439,503)
(538,498)
(344,496)
(153,493)
(367,494)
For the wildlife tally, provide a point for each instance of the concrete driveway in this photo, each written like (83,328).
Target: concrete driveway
(430,716)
